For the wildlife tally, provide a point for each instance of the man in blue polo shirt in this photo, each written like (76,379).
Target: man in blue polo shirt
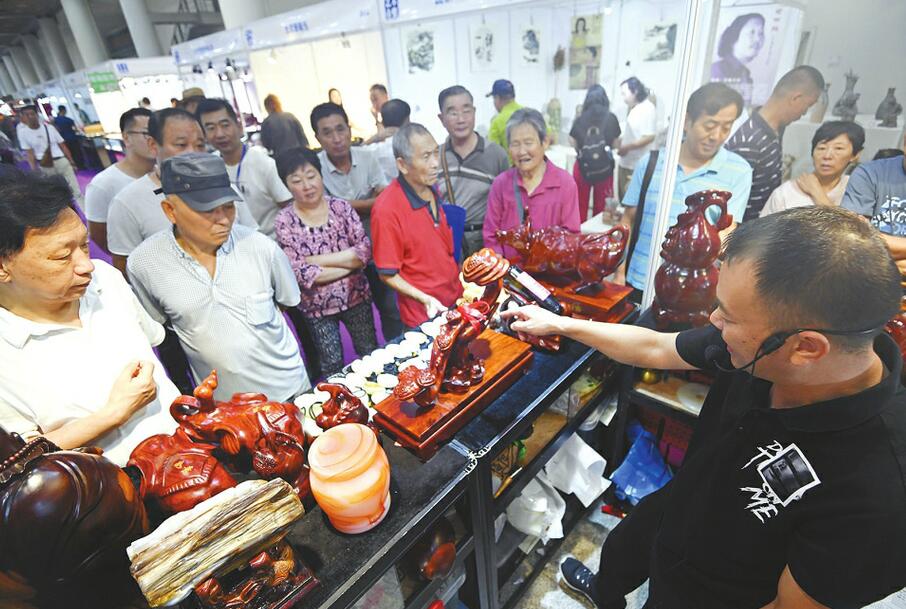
(703,164)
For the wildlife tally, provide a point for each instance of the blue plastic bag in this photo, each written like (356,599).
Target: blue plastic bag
(643,471)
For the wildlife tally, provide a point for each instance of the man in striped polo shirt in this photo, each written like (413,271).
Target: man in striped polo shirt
(758,139)
(703,164)
(469,163)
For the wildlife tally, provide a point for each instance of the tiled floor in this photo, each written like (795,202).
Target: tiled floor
(584,542)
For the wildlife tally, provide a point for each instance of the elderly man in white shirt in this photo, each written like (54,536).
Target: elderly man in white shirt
(76,363)
(219,284)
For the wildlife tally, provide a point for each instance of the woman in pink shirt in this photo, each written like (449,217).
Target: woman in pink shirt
(534,188)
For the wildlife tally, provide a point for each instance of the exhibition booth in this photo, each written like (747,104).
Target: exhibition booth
(218,64)
(445,468)
(117,85)
(301,55)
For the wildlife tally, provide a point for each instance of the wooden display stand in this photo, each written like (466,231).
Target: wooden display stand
(423,429)
(609,304)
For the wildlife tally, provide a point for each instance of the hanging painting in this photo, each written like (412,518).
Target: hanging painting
(585,51)
(530,45)
(419,50)
(659,42)
(485,45)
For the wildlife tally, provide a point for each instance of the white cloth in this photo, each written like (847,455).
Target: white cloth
(230,323)
(383,152)
(789,195)
(51,375)
(36,140)
(101,190)
(260,186)
(641,122)
(578,469)
(135,214)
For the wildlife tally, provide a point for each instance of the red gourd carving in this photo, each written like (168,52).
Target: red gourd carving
(66,519)
(178,473)
(453,367)
(555,251)
(686,282)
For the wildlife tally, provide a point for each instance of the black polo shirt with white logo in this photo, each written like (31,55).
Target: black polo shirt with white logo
(820,487)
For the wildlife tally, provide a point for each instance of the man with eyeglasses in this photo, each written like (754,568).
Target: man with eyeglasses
(469,163)
(252,171)
(355,175)
(104,186)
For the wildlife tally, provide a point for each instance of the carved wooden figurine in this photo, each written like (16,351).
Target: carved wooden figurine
(247,427)
(453,367)
(178,473)
(686,283)
(555,251)
(342,407)
(66,519)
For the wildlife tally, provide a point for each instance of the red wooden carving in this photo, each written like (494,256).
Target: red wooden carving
(178,473)
(686,283)
(269,581)
(66,519)
(555,251)
(453,367)
(342,407)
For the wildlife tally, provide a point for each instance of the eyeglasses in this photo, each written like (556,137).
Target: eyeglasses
(454,114)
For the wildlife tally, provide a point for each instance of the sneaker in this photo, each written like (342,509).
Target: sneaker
(578,578)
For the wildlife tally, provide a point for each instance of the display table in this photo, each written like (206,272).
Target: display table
(348,565)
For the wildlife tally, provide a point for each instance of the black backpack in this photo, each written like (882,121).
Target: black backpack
(595,157)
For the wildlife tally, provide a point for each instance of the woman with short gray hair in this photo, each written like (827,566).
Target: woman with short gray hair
(534,189)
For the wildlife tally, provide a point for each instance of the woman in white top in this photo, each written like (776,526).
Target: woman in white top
(835,146)
(638,133)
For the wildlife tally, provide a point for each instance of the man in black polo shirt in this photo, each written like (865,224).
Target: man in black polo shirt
(793,491)
(758,139)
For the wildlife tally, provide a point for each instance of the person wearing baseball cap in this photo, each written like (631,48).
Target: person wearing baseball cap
(219,284)
(504,94)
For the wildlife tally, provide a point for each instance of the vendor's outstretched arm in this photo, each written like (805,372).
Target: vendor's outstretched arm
(624,343)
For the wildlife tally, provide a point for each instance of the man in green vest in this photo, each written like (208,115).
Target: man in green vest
(504,94)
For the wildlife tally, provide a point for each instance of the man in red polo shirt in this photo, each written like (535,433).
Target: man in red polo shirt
(413,244)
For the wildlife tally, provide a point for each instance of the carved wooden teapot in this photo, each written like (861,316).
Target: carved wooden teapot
(556,251)
(66,519)
(686,282)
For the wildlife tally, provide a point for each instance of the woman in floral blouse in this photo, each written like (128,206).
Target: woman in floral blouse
(328,250)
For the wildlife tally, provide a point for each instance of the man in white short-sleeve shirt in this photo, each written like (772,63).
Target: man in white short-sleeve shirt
(135,213)
(638,132)
(35,139)
(76,363)
(104,186)
(252,171)
(220,285)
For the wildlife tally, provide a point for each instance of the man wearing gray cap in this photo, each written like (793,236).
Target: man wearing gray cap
(220,285)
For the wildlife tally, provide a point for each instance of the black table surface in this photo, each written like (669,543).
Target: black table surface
(533,392)
(347,565)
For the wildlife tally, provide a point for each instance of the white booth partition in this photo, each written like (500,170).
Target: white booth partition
(302,54)
(77,92)
(218,64)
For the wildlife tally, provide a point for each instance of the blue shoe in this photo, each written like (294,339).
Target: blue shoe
(578,578)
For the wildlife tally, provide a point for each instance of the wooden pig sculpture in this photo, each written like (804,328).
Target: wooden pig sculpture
(555,251)
(686,283)
(66,519)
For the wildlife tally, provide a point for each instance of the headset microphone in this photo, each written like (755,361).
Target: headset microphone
(721,359)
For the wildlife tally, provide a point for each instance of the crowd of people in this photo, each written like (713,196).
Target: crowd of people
(327,235)
(213,238)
